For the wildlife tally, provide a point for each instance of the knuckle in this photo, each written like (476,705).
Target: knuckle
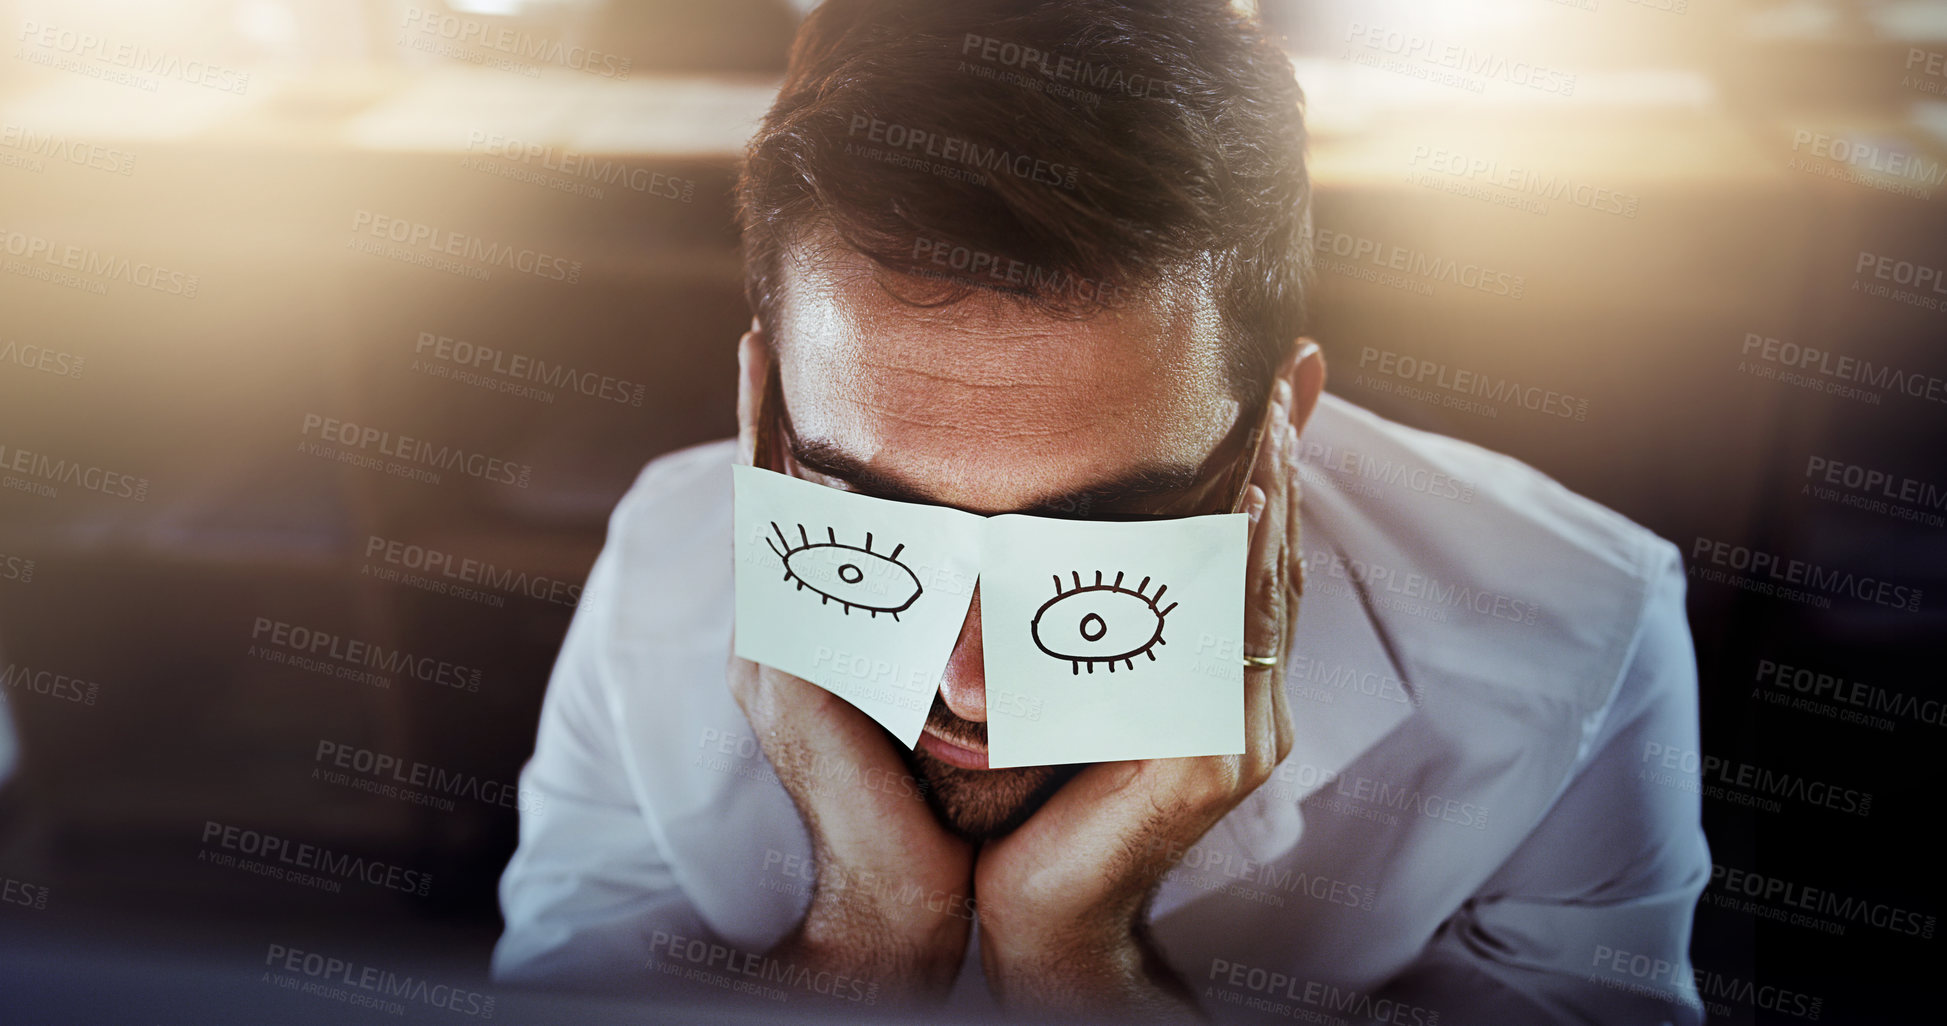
(1226,775)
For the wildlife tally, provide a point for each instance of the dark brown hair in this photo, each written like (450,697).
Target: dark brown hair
(1064,151)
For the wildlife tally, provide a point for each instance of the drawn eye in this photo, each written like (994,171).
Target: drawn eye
(1100,623)
(853,577)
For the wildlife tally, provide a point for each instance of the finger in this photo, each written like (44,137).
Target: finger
(1306,366)
(1264,725)
(1264,578)
(1294,554)
(753,362)
(1291,586)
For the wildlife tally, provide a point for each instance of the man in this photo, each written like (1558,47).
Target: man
(1048,257)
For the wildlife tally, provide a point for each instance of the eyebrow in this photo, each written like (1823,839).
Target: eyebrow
(1140,483)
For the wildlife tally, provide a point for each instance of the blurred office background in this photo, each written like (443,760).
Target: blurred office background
(1730,165)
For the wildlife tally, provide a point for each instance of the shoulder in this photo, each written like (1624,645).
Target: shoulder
(1485,574)
(668,545)
(681,488)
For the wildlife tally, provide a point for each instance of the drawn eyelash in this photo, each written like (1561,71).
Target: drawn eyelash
(846,574)
(1084,635)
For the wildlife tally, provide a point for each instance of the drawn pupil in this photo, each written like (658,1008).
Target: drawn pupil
(1100,627)
(850,573)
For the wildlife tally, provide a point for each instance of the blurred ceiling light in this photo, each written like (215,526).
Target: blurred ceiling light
(1910,21)
(1797,19)
(499,8)
(1501,18)
(268,23)
(516,8)
(1930,116)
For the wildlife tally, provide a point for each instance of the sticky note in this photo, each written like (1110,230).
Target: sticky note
(1107,641)
(1101,640)
(861,596)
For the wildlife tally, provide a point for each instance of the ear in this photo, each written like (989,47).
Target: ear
(1305,370)
(753,370)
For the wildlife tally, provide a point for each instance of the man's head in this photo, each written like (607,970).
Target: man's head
(1023,256)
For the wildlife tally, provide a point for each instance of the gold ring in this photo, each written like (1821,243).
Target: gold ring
(1261,662)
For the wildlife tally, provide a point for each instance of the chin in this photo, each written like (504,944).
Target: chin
(981,805)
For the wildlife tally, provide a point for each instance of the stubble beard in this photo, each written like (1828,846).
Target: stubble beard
(980,805)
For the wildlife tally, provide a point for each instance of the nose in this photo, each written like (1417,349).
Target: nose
(964,687)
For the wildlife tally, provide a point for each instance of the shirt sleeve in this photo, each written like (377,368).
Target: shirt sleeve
(589,882)
(1589,920)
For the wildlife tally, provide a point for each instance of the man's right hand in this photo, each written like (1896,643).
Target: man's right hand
(892,891)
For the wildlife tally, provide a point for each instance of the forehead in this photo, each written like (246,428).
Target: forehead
(991,405)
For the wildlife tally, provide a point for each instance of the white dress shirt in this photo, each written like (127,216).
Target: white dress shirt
(1470,826)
